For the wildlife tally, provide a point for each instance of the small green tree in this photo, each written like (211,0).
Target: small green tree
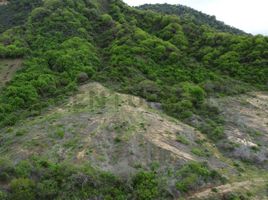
(145,185)
(194,93)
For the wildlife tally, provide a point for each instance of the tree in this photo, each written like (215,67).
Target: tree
(145,185)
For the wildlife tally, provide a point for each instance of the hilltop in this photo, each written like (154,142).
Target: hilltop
(188,15)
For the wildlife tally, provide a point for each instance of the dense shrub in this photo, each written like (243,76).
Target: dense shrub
(145,185)
(12,51)
(38,178)
(193,175)
(194,93)
(16,12)
(21,96)
(48,180)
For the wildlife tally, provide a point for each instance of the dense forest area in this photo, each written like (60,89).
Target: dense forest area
(15,13)
(188,14)
(177,61)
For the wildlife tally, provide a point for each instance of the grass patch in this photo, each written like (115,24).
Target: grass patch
(199,152)
(59,133)
(182,139)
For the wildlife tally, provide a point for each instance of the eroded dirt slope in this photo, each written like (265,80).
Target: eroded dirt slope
(246,126)
(115,132)
(222,191)
(8,67)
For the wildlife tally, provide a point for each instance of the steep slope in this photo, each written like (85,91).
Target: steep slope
(117,133)
(114,131)
(52,136)
(122,134)
(246,126)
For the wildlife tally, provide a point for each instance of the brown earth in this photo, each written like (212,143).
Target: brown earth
(8,68)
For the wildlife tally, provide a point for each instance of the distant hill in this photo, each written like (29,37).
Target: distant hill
(187,13)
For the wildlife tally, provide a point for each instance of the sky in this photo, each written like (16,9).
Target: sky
(250,16)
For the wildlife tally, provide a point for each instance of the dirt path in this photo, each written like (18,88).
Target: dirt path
(223,189)
(8,67)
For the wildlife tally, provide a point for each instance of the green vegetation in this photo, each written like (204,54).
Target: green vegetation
(189,15)
(146,186)
(40,179)
(47,75)
(148,54)
(179,62)
(200,152)
(182,139)
(191,175)
(15,13)
(59,133)
(45,180)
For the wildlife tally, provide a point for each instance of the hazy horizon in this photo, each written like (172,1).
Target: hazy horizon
(249,16)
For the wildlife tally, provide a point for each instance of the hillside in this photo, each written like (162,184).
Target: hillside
(100,100)
(124,135)
(188,15)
